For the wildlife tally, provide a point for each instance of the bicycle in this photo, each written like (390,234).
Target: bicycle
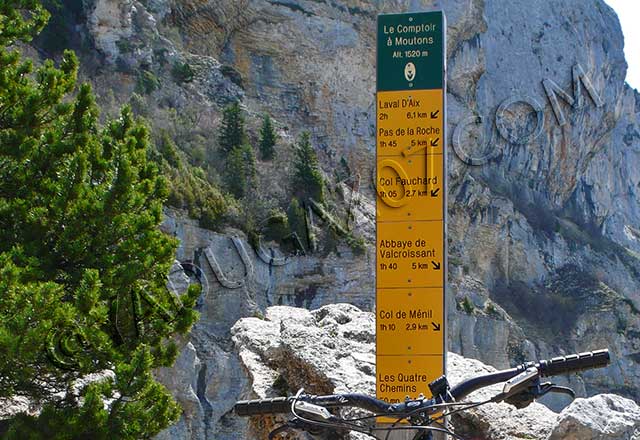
(522,385)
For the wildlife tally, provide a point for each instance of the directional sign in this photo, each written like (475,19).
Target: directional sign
(411,204)
(409,254)
(409,321)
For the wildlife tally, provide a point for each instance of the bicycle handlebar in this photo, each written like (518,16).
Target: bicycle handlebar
(283,404)
(574,363)
(256,407)
(552,367)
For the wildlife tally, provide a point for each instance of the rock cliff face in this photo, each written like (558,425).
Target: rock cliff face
(238,282)
(544,171)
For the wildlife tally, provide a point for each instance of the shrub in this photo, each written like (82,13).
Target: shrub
(467,305)
(182,73)
(188,187)
(277,226)
(297,220)
(147,82)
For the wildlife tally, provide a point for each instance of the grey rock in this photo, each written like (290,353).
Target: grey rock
(331,350)
(605,416)
(178,280)
(497,421)
(9,407)
(328,350)
(181,379)
(110,21)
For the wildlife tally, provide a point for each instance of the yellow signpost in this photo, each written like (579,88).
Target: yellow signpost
(411,204)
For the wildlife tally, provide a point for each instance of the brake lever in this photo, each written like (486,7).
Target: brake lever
(518,385)
(549,387)
(527,396)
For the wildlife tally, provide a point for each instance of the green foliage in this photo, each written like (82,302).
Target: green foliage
(182,73)
(277,226)
(307,178)
(147,82)
(169,150)
(297,220)
(491,310)
(467,305)
(145,409)
(232,132)
(189,189)
(83,264)
(23,357)
(21,20)
(357,244)
(268,138)
(240,171)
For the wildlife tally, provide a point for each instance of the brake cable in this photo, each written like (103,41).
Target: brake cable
(339,424)
(345,423)
(435,405)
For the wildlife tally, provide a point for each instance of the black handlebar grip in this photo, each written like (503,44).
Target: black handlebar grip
(263,406)
(574,363)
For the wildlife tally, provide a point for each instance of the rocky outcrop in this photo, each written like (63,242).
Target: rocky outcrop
(15,405)
(239,281)
(111,23)
(604,416)
(331,349)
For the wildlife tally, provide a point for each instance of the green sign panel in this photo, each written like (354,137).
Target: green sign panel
(410,51)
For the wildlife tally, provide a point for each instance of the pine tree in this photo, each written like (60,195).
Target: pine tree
(240,171)
(268,138)
(83,264)
(307,177)
(232,132)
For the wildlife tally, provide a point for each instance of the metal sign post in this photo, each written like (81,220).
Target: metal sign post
(411,266)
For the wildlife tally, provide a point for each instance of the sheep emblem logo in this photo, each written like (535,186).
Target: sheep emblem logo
(410,71)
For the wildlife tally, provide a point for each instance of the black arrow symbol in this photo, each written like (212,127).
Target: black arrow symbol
(434,192)
(436,266)
(434,115)
(434,142)
(436,327)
